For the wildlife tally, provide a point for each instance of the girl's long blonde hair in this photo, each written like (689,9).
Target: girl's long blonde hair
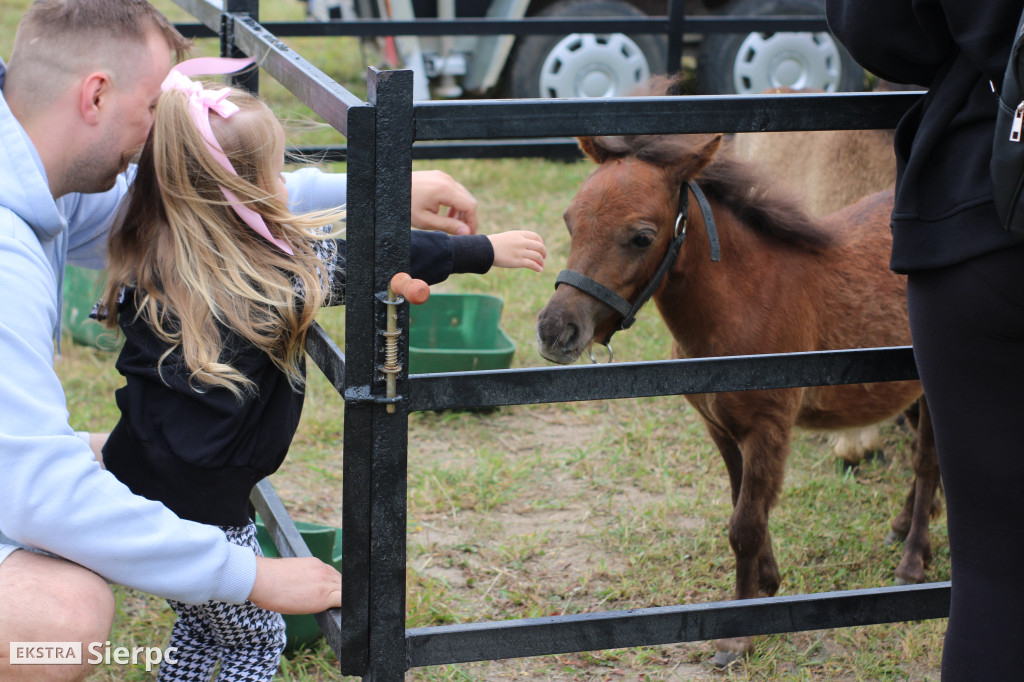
(195,266)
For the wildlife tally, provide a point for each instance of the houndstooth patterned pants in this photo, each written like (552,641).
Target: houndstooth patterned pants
(246,639)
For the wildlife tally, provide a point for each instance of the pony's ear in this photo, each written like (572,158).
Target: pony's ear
(704,154)
(596,153)
(694,160)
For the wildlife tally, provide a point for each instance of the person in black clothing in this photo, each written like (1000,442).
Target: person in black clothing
(965,298)
(214,285)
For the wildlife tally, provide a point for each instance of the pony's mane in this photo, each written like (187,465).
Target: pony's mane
(741,186)
(761,204)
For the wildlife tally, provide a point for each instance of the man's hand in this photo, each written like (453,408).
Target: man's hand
(518,249)
(296,585)
(441,203)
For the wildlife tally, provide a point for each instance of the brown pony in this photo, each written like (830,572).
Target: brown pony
(786,282)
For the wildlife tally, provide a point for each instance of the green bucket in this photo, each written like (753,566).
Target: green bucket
(325,544)
(458,333)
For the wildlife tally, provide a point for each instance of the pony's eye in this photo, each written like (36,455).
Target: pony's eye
(642,239)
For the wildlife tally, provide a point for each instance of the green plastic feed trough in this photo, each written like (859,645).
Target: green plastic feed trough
(458,333)
(325,544)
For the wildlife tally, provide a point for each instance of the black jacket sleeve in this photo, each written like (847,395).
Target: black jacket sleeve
(433,257)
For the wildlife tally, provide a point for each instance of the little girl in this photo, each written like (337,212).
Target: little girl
(214,284)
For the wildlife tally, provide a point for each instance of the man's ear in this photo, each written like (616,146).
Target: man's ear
(95,88)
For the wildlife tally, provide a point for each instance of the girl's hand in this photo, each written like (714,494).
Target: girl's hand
(518,249)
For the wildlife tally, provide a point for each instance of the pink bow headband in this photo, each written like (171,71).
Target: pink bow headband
(200,103)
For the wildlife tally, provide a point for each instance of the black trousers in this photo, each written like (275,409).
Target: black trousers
(967,323)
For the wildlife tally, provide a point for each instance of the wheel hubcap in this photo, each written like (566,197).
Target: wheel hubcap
(794,60)
(589,65)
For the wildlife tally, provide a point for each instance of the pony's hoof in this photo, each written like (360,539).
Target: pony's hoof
(731,650)
(893,538)
(909,577)
(726,659)
(875,455)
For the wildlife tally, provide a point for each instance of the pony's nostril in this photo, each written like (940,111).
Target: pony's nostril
(570,335)
(546,331)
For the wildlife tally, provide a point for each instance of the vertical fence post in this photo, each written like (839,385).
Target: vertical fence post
(374,496)
(676,27)
(359,374)
(251,79)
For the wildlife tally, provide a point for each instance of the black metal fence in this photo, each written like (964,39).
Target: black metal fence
(370,636)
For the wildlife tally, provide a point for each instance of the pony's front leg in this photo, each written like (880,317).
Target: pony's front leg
(917,547)
(732,649)
(729,449)
(752,568)
(764,450)
(768,579)
(757,573)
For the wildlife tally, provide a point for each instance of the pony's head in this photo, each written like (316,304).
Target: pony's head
(621,223)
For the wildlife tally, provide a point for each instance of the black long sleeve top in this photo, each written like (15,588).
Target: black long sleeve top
(201,452)
(957,49)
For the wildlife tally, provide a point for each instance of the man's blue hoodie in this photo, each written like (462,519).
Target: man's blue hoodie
(53,495)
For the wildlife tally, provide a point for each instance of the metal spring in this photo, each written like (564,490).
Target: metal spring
(391,367)
(390,351)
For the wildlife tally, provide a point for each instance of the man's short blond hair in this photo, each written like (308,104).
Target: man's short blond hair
(60,39)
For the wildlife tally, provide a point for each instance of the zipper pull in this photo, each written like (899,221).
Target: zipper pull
(1018,123)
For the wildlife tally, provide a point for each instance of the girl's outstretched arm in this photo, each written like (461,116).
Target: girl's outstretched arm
(518,249)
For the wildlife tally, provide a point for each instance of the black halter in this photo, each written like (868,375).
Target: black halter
(626,310)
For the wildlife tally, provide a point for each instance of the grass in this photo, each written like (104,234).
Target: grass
(542,510)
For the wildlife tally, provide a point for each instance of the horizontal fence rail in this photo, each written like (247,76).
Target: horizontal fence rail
(426,26)
(530,386)
(479,119)
(457,390)
(672,624)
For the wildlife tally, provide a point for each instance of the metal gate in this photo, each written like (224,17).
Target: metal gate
(369,634)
